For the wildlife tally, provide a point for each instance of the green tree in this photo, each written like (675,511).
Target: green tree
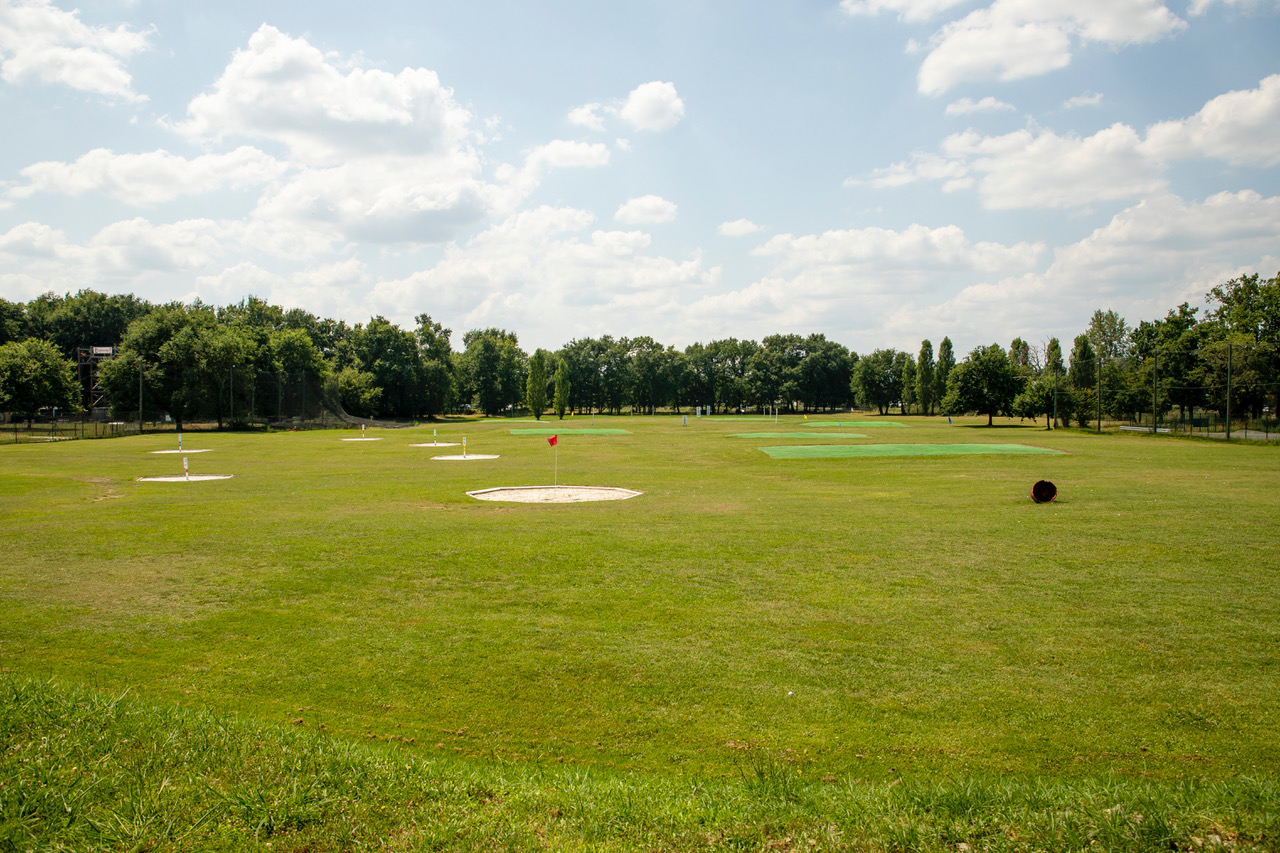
(906,366)
(941,374)
(535,395)
(1053,358)
(34,375)
(13,321)
(986,382)
(1109,334)
(160,352)
(494,366)
(1036,399)
(436,357)
(1082,372)
(562,389)
(925,369)
(877,381)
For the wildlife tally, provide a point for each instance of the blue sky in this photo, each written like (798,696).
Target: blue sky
(880,171)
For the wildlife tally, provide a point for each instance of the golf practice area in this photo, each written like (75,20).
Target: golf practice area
(864,639)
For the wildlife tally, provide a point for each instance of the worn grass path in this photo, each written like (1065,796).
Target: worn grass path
(867,618)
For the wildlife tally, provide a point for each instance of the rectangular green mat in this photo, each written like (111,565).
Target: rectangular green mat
(797,435)
(571,432)
(843,423)
(840,451)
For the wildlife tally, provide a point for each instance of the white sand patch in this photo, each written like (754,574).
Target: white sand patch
(553,494)
(181,479)
(205,450)
(437,444)
(360,439)
(461,458)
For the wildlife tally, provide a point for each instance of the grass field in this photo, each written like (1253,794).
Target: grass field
(869,619)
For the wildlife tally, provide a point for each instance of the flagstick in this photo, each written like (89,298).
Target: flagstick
(555,469)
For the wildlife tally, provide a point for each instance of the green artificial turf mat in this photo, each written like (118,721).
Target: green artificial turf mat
(797,435)
(570,432)
(840,451)
(853,424)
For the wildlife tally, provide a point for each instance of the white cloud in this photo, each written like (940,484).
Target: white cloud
(537,269)
(1043,169)
(917,246)
(647,209)
(1088,99)
(909,11)
(39,40)
(653,106)
(1241,127)
(1015,39)
(151,178)
(965,106)
(1199,7)
(284,89)
(1023,169)
(588,115)
(738,228)
(922,166)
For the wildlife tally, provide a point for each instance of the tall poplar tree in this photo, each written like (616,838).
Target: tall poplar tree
(535,387)
(925,369)
(561,403)
(946,361)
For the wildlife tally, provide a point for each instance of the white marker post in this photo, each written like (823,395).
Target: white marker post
(362,430)
(464,447)
(179,442)
(433,438)
(186,472)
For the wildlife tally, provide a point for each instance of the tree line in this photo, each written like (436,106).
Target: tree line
(238,362)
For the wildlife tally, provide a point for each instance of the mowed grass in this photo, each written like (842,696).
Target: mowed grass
(866,619)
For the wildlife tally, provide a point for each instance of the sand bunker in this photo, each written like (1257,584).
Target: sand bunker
(553,494)
(461,458)
(437,444)
(204,450)
(360,439)
(181,479)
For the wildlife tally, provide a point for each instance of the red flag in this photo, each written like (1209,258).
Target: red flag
(552,441)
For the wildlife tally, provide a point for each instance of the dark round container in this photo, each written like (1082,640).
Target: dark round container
(1043,492)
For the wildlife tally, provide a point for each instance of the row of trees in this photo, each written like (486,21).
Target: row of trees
(234,362)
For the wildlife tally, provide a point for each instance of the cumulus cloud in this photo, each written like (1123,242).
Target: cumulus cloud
(1088,99)
(539,268)
(1241,127)
(647,209)
(284,89)
(738,228)
(40,41)
(653,106)
(909,11)
(1040,168)
(1015,39)
(966,106)
(150,178)
(588,115)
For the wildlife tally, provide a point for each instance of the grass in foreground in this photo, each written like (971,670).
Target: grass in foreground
(913,618)
(92,771)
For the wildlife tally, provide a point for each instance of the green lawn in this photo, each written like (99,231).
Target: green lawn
(877,618)
(864,451)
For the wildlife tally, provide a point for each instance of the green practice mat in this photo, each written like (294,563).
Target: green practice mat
(797,435)
(841,451)
(862,424)
(571,432)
